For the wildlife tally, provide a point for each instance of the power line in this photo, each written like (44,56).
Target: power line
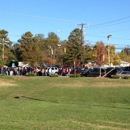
(108,25)
(41,17)
(100,25)
(110,21)
(120,30)
(105,37)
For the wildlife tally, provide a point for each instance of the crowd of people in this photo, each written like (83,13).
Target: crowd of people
(39,71)
(16,70)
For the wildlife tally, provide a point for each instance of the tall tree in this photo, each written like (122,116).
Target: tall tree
(73,47)
(112,55)
(100,51)
(61,52)
(15,49)
(87,53)
(3,34)
(29,49)
(6,48)
(125,54)
(42,44)
(51,47)
(116,60)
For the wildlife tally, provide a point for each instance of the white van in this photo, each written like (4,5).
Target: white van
(51,70)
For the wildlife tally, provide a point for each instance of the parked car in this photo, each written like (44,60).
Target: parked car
(51,70)
(83,72)
(94,72)
(127,68)
(113,71)
(124,73)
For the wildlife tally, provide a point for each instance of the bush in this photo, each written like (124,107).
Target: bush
(126,77)
(54,75)
(75,75)
(115,76)
(31,74)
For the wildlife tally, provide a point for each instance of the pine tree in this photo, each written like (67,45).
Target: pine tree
(29,49)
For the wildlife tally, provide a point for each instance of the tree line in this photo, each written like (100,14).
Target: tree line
(36,50)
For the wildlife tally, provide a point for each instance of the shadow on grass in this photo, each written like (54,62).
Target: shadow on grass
(17,97)
(32,98)
(36,99)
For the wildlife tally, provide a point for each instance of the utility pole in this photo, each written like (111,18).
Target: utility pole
(3,42)
(109,62)
(82,43)
(3,48)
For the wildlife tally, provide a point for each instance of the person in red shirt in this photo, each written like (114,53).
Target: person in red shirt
(63,71)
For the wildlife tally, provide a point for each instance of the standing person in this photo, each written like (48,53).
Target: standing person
(38,71)
(19,71)
(7,71)
(63,71)
(69,70)
(60,71)
(11,71)
(43,72)
(2,70)
(15,71)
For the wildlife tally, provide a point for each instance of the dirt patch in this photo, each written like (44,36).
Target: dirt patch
(22,78)
(7,84)
(74,85)
(110,84)
(92,85)
(98,126)
(116,123)
(107,82)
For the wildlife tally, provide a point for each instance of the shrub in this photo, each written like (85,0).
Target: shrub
(115,76)
(31,74)
(126,77)
(54,75)
(75,75)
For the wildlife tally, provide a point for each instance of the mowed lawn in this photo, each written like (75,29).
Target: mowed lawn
(63,103)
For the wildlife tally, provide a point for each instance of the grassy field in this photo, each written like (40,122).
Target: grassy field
(63,103)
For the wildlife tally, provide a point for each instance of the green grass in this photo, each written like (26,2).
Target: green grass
(63,103)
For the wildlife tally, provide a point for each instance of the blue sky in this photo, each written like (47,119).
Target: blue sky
(102,17)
